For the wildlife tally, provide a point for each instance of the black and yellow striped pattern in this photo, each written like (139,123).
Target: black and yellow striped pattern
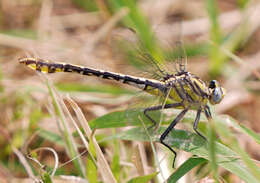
(50,67)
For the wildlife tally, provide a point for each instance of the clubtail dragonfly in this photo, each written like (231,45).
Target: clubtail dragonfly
(185,90)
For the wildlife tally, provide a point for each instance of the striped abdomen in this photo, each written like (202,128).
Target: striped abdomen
(49,67)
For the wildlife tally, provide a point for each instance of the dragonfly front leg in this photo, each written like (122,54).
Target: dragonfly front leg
(208,113)
(195,124)
(169,129)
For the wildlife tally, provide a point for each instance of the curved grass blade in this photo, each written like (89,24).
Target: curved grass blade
(245,130)
(251,133)
(185,168)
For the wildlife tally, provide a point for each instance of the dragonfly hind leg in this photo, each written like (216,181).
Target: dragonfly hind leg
(159,107)
(169,129)
(154,108)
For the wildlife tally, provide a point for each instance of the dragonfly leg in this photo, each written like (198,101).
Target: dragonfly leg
(168,130)
(195,124)
(154,108)
(208,113)
(159,107)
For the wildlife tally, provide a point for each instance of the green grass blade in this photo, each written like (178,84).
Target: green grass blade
(251,133)
(91,168)
(143,179)
(46,178)
(185,168)
(24,33)
(87,5)
(253,168)
(140,25)
(215,35)
(115,165)
(212,151)
(77,87)
(230,42)
(245,130)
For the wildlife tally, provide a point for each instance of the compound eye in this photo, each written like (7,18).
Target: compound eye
(217,95)
(213,84)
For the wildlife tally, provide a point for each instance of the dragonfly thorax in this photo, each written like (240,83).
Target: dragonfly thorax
(188,89)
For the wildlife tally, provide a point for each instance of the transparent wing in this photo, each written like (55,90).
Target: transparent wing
(177,57)
(175,61)
(181,62)
(146,65)
(143,100)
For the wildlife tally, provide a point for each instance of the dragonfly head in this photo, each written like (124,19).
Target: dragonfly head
(217,93)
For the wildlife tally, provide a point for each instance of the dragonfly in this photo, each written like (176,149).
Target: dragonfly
(185,90)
